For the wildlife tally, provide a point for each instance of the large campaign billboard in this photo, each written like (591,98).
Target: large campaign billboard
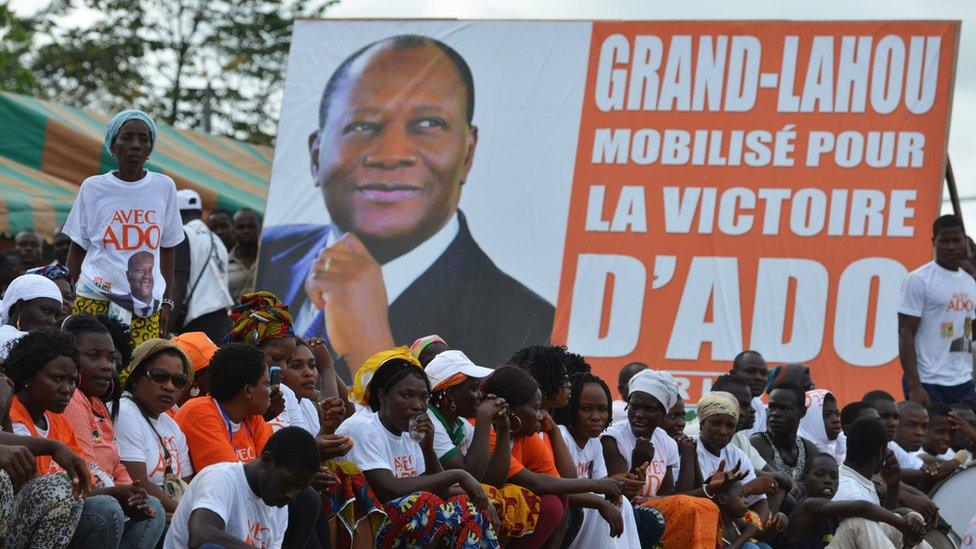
(658,191)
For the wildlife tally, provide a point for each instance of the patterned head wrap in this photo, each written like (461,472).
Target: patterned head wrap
(54,273)
(657,383)
(422,343)
(260,317)
(786,373)
(359,392)
(115,124)
(717,402)
(149,348)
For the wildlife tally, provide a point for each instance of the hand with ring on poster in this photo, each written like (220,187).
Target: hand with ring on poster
(347,283)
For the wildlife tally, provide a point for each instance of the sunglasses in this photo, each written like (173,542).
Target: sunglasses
(160,377)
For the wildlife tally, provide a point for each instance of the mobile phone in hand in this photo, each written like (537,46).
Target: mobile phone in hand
(274,375)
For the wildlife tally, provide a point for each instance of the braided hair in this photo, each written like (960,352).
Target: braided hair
(546,364)
(512,383)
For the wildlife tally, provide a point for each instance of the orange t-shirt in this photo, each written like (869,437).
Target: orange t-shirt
(532,452)
(208,434)
(58,429)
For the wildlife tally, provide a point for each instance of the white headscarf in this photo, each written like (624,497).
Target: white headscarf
(25,288)
(657,383)
(812,425)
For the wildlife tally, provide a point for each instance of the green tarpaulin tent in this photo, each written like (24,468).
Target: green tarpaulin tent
(47,150)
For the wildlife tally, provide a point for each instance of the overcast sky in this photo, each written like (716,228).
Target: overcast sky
(962,135)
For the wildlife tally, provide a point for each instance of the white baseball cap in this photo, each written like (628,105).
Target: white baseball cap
(447,364)
(188,199)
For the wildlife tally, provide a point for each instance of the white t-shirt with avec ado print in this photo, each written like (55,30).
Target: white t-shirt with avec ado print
(943,300)
(375,447)
(665,454)
(138,443)
(115,220)
(223,489)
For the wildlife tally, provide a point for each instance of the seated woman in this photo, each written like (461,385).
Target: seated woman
(455,396)
(780,444)
(719,413)
(59,275)
(152,447)
(821,423)
(395,451)
(228,425)
(533,462)
(43,366)
(639,445)
(604,523)
(300,375)
(31,302)
(262,320)
(122,342)
(87,414)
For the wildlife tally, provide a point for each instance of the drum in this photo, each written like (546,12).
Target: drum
(954,496)
(938,539)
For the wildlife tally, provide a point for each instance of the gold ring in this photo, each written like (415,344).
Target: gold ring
(328,264)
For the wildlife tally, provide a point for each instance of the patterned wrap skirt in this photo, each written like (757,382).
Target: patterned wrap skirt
(140,328)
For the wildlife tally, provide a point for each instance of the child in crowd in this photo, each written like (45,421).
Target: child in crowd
(963,420)
(740,525)
(938,436)
(114,273)
(816,518)
(232,503)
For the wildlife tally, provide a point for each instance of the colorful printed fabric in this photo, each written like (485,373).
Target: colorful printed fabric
(689,521)
(518,509)
(422,519)
(260,317)
(141,329)
(351,499)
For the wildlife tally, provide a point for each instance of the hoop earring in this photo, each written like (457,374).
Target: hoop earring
(510,420)
(18,323)
(453,405)
(194,391)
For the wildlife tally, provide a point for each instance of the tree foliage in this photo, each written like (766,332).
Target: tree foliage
(184,61)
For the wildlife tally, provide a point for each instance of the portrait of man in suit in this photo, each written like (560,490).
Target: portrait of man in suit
(392,153)
(139,274)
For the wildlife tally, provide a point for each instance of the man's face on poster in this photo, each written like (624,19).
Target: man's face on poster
(395,147)
(140,276)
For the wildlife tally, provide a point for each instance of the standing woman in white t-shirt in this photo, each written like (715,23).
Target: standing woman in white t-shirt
(124,227)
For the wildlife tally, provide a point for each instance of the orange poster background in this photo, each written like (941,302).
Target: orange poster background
(834,252)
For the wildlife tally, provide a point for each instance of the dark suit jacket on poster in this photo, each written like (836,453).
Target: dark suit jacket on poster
(462,296)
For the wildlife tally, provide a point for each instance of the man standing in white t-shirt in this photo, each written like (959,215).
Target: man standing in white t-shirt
(935,321)
(201,291)
(235,505)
